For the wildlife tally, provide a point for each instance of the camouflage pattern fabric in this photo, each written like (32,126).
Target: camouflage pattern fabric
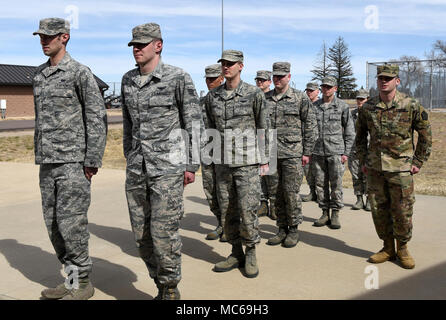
(389,157)
(242,112)
(391,196)
(336,128)
(71,122)
(153,110)
(287,201)
(295,121)
(329,171)
(209,178)
(65,195)
(156,208)
(264,192)
(391,128)
(359,179)
(239,198)
(309,174)
(272,181)
(210,190)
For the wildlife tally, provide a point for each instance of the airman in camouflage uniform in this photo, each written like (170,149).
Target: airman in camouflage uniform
(358,177)
(336,137)
(390,161)
(158,102)
(263,81)
(237,109)
(69,142)
(312,91)
(293,116)
(213,79)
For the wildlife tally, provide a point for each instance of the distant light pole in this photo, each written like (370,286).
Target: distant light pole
(222,36)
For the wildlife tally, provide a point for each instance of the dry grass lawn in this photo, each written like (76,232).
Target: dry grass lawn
(431,179)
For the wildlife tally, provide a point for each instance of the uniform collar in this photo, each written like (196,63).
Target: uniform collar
(221,91)
(156,73)
(62,65)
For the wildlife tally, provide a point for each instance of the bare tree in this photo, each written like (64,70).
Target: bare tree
(411,73)
(322,65)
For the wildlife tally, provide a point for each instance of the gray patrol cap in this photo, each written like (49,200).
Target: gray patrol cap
(312,86)
(53,26)
(232,55)
(362,94)
(329,81)
(263,74)
(212,71)
(145,33)
(281,68)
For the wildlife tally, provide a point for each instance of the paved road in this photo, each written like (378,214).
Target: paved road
(18,125)
(326,264)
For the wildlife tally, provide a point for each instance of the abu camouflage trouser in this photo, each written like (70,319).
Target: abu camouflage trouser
(288,203)
(239,198)
(65,195)
(359,179)
(329,171)
(309,175)
(210,190)
(156,208)
(391,196)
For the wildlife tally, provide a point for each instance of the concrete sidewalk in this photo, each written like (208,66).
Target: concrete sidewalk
(326,264)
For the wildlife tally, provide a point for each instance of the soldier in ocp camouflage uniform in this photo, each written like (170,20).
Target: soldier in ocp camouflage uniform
(293,116)
(358,177)
(336,137)
(390,161)
(263,81)
(236,108)
(69,142)
(159,102)
(214,78)
(312,91)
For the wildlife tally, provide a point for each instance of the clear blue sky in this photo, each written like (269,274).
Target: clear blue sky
(266,31)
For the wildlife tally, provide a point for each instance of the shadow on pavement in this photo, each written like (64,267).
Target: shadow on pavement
(120,237)
(43,267)
(330,243)
(200,250)
(427,284)
(192,222)
(198,200)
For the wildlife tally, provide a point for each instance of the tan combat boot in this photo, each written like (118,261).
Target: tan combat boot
(235,259)
(387,253)
(407,262)
(251,268)
(55,293)
(263,210)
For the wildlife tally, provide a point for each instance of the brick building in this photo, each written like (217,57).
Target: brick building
(16,88)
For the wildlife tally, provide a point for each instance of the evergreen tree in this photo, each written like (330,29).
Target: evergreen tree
(341,69)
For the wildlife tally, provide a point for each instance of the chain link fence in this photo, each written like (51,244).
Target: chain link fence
(424,80)
(112,96)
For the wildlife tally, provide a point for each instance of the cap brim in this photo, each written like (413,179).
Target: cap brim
(213,75)
(44,32)
(280,73)
(140,41)
(361,97)
(387,74)
(229,59)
